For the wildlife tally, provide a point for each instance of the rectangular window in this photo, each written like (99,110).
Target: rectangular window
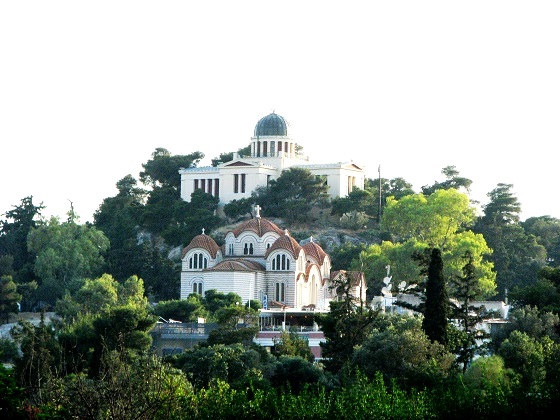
(196,184)
(236,183)
(217,187)
(203,185)
(243,178)
(209,186)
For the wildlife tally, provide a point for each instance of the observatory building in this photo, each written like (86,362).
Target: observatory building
(272,151)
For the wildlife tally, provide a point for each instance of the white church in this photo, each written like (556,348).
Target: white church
(272,151)
(260,261)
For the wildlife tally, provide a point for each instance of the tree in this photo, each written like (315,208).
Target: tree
(182,310)
(241,207)
(517,257)
(13,239)
(66,253)
(163,168)
(468,316)
(436,311)
(546,230)
(228,156)
(453,180)
(40,359)
(293,194)
(431,219)
(119,218)
(346,325)
(291,344)
(403,353)
(9,297)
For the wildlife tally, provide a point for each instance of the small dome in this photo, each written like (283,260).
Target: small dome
(271,125)
(314,250)
(287,243)
(202,241)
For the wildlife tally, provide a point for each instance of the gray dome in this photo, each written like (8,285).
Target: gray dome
(271,125)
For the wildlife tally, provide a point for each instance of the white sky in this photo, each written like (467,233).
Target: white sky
(88,90)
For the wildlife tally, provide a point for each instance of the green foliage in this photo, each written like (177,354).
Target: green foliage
(9,297)
(343,255)
(468,316)
(403,353)
(230,363)
(13,240)
(292,195)
(40,360)
(11,396)
(546,230)
(436,312)
(346,325)
(529,320)
(8,350)
(431,219)
(181,310)
(544,293)
(66,252)
(290,343)
(145,388)
(517,257)
(453,180)
(163,168)
(240,207)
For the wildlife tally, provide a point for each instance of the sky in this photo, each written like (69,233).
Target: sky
(89,90)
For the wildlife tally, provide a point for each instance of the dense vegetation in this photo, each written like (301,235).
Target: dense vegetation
(103,280)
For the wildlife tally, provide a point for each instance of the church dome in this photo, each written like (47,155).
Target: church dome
(258,225)
(314,250)
(286,243)
(202,241)
(271,125)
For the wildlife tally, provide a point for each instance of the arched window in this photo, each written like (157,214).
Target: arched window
(197,287)
(281,262)
(279,292)
(248,249)
(198,261)
(230,249)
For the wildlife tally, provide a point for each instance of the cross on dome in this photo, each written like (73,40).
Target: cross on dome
(203,230)
(257,211)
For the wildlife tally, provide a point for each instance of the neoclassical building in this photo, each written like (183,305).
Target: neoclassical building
(260,261)
(272,151)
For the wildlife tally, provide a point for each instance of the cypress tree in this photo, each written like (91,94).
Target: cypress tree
(436,311)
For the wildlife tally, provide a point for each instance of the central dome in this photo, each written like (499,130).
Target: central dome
(271,125)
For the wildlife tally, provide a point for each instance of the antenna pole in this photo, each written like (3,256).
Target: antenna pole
(379,208)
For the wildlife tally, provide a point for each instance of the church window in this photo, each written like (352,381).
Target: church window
(280,292)
(217,187)
(230,249)
(236,183)
(281,262)
(243,182)
(209,186)
(265,148)
(197,287)
(196,184)
(272,151)
(203,185)
(248,249)
(198,261)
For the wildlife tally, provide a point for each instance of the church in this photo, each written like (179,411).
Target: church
(260,261)
(272,151)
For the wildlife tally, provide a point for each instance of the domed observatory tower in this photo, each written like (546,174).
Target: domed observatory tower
(271,138)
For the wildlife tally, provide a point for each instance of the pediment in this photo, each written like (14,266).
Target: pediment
(237,163)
